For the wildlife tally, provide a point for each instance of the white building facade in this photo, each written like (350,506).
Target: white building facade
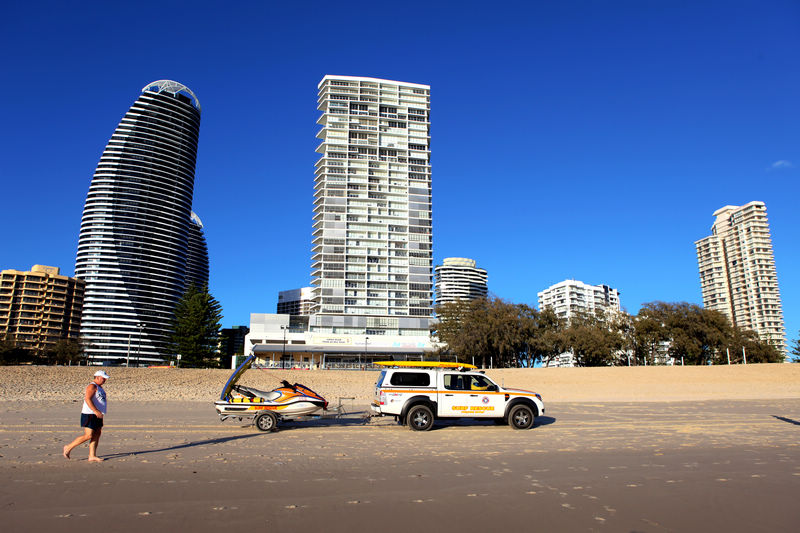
(296,301)
(372,246)
(570,297)
(285,341)
(140,245)
(372,242)
(458,278)
(737,272)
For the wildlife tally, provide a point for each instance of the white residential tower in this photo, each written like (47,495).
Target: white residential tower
(737,271)
(372,242)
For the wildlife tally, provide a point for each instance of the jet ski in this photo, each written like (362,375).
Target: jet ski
(266,408)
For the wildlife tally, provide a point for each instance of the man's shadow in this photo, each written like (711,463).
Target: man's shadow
(789,420)
(206,442)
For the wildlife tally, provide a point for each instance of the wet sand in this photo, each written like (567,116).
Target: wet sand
(718,465)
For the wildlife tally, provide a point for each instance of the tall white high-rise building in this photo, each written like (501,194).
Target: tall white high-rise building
(571,296)
(140,245)
(737,271)
(457,278)
(372,243)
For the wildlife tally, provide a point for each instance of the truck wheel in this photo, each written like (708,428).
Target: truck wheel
(266,421)
(521,417)
(420,418)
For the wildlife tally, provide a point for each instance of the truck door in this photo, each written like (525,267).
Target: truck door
(453,395)
(483,397)
(472,395)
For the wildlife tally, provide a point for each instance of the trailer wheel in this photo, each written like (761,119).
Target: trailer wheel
(266,421)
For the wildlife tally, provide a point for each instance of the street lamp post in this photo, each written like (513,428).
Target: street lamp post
(283,356)
(128,357)
(139,344)
(366,339)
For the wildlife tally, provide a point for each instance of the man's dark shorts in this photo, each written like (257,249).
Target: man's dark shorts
(91,421)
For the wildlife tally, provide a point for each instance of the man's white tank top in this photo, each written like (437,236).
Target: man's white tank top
(99,401)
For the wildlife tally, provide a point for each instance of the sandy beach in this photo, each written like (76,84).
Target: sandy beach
(608,384)
(639,449)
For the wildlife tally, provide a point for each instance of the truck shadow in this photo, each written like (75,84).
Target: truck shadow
(473,422)
(544,421)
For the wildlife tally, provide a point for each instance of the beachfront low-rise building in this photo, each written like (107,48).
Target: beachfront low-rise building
(287,341)
(39,307)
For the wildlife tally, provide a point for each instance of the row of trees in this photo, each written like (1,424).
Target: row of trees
(63,352)
(195,336)
(493,331)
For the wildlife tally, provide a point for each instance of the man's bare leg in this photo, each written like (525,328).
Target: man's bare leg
(87,435)
(95,438)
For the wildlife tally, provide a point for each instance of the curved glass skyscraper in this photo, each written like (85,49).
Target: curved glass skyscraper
(134,246)
(197,258)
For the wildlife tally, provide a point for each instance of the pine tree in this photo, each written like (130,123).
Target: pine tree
(196,328)
(796,350)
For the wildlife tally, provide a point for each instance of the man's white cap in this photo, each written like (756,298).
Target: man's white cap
(101,373)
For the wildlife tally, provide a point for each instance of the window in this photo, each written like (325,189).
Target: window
(455,382)
(411,379)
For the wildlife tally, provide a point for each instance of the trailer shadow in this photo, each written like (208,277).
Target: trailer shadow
(355,418)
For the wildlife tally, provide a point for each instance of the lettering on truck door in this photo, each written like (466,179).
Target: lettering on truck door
(484,399)
(470,396)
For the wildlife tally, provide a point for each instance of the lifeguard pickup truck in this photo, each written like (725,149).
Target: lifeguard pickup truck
(416,393)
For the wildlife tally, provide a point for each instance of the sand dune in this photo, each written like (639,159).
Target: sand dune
(614,384)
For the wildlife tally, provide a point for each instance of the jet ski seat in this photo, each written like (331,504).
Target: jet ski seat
(249,392)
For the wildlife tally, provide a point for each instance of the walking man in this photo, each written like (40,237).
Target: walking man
(94,409)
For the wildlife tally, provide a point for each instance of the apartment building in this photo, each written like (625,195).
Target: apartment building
(140,244)
(737,271)
(39,307)
(372,243)
(296,301)
(570,296)
(458,278)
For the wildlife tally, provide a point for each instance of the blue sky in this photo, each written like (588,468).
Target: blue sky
(586,140)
